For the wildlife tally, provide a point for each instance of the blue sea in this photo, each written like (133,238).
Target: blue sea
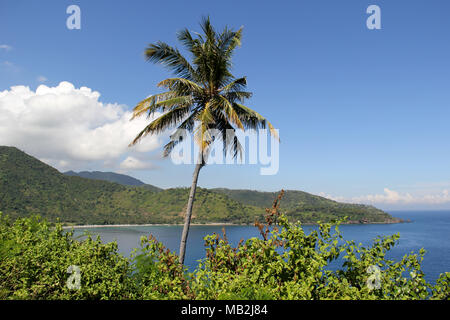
(428,229)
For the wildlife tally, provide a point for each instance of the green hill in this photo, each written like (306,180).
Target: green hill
(29,186)
(113,177)
(303,206)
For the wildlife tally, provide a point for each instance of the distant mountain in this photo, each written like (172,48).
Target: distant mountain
(29,186)
(107,176)
(112,177)
(306,207)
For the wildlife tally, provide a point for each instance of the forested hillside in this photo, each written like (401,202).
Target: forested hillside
(29,186)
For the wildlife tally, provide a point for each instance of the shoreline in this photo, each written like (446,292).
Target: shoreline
(150,225)
(205,224)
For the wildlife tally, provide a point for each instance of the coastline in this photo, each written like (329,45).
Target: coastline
(211,224)
(149,225)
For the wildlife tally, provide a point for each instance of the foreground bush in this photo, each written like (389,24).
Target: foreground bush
(35,257)
(288,264)
(285,263)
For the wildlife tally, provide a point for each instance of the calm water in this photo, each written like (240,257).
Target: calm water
(428,230)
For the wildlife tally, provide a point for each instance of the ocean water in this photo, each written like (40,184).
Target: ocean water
(428,229)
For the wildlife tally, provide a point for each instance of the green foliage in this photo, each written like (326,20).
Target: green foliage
(442,289)
(28,186)
(157,272)
(284,263)
(35,256)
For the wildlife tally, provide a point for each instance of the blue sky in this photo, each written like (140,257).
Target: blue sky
(363,114)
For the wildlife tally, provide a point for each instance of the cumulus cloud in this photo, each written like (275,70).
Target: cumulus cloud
(132,163)
(69,127)
(392,197)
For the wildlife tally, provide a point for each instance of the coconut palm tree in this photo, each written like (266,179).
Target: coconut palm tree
(203,95)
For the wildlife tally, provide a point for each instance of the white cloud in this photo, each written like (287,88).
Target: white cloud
(41,79)
(5,47)
(389,196)
(392,197)
(69,127)
(132,163)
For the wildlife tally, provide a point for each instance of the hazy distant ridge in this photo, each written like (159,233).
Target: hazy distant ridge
(112,177)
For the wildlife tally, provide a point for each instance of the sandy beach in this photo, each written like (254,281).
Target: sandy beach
(148,225)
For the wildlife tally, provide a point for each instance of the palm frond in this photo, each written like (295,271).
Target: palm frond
(208,30)
(186,126)
(233,42)
(163,122)
(148,105)
(181,86)
(253,120)
(230,113)
(152,104)
(162,53)
(235,85)
(238,96)
(230,141)
(201,133)
(185,37)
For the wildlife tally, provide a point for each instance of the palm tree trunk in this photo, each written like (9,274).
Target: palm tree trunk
(187,219)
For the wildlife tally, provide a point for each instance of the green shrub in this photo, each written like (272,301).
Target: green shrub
(35,257)
(157,272)
(284,263)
